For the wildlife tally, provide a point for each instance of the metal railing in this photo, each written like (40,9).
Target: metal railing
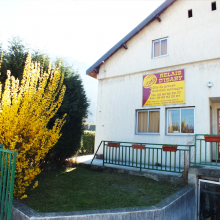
(7,175)
(152,156)
(206,153)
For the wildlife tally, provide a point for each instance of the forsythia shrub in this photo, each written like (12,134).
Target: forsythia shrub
(25,110)
(88,141)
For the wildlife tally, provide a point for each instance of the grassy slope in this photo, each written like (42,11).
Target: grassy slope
(83,189)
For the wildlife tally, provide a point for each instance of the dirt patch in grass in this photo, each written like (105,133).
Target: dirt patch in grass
(78,189)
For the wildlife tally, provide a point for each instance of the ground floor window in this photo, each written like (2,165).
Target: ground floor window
(180,121)
(148,121)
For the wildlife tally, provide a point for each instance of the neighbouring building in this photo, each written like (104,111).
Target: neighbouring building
(89,127)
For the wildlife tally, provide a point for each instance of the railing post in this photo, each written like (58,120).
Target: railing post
(170,160)
(189,156)
(119,158)
(140,159)
(157,158)
(184,161)
(132,156)
(200,146)
(144,157)
(153,159)
(136,157)
(122,155)
(166,160)
(96,152)
(195,152)
(129,156)
(125,155)
(108,153)
(174,161)
(115,155)
(103,153)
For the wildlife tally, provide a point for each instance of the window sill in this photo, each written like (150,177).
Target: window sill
(160,56)
(147,133)
(179,134)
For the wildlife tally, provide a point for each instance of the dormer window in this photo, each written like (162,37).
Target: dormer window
(160,47)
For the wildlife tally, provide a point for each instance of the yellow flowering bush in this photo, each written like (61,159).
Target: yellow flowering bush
(35,185)
(25,110)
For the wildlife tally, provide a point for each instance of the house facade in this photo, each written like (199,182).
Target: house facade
(160,83)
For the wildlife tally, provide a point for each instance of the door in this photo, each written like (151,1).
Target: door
(209,200)
(218,129)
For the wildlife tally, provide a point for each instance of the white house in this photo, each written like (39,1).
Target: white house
(160,83)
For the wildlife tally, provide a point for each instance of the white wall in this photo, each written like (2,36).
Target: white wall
(120,97)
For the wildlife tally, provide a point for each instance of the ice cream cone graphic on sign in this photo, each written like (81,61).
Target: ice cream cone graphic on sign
(148,82)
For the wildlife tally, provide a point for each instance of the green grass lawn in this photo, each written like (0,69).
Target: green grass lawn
(79,188)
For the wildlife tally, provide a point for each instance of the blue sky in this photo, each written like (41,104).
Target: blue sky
(79,31)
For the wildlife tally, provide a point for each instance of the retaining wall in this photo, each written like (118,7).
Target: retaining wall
(179,206)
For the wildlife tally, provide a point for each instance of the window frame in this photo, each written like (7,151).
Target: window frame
(167,119)
(159,40)
(148,120)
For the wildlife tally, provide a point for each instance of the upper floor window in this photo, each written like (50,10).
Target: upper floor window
(160,47)
(147,121)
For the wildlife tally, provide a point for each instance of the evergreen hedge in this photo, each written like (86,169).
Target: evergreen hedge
(88,141)
(75,104)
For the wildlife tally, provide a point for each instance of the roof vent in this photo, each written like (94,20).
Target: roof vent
(190,13)
(213,6)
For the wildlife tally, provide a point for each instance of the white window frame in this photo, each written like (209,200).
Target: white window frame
(148,110)
(180,121)
(159,40)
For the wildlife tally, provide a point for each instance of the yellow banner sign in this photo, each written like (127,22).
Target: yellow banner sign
(164,88)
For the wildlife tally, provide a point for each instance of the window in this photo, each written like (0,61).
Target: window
(180,121)
(190,13)
(160,47)
(213,6)
(148,121)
